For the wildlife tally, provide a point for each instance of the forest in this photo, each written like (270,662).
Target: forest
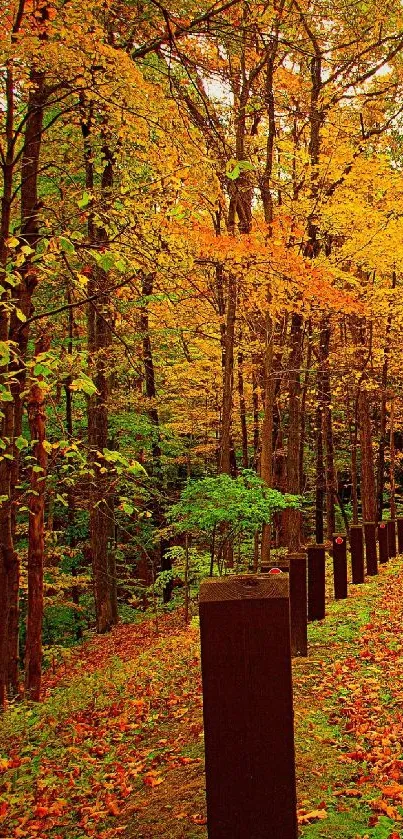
(201,328)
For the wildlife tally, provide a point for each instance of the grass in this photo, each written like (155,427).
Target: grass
(116,748)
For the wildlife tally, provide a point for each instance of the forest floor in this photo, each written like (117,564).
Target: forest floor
(116,748)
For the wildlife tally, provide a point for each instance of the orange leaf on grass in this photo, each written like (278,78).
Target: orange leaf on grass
(152,780)
(198,819)
(313,816)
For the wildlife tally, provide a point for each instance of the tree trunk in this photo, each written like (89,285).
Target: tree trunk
(13,330)
(99,341)
(383,419)
(228,377)
(242,412)
(292,518)
(266,454)
(368,488)
(392,466)
(36,540)
(331,482)
(320,477)
(163,561)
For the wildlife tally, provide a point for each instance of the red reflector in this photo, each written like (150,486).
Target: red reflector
(339,540)
(275,571)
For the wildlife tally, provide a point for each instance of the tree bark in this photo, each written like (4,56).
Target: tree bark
(242,412)
(368,488)
(383,418)
(292,518)
(228,377)
(36,535)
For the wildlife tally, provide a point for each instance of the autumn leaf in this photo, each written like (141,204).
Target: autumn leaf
(198,819)
(314,815)
(152,780)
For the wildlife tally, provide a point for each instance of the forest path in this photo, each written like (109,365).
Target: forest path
(116,747)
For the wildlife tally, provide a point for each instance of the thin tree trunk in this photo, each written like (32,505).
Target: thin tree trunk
(163,560)
(383,419)
(99,341)
(331,483)
(14,331)
(242,412)
(368,488)
(320,478)
(292,518)
(392,466)
(36,535)
(266,454)
(228,377)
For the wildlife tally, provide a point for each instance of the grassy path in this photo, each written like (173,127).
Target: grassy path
(116,747)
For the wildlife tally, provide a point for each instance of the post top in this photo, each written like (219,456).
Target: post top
(244,587)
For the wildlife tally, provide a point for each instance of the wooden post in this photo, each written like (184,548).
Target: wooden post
(247,707)
(383,542)
(298,604)
(370,548)
(340,566)
(391,526)
(316,582)
(400,535)
(357,553)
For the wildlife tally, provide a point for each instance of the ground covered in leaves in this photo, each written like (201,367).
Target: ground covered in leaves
(116,747)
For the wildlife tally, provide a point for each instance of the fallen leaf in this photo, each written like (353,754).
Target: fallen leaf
(313,816)
(198,819)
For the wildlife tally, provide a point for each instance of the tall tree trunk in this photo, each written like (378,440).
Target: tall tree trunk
(242,412)
(99,340)
(383,418)
(320,477)
(353,433)
(331,482)
(292,518)
(163,560)
(266,453)
(36,536)
(71,504)
(368,488)
(13,330)
(228,378)
(392,466)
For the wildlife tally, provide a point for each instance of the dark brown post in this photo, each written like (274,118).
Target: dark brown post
(298,604)
(316,582)
(247,707)
(340,566)
(357,553)
(391,525)
(400,535)
(383,542)
(370,548)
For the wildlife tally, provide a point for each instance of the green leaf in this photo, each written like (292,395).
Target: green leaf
(83,383)
(4,353)
(41,370)
(235,167)
(66,245)
(106,261)
(128,509)
(84,201)
(21,443)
